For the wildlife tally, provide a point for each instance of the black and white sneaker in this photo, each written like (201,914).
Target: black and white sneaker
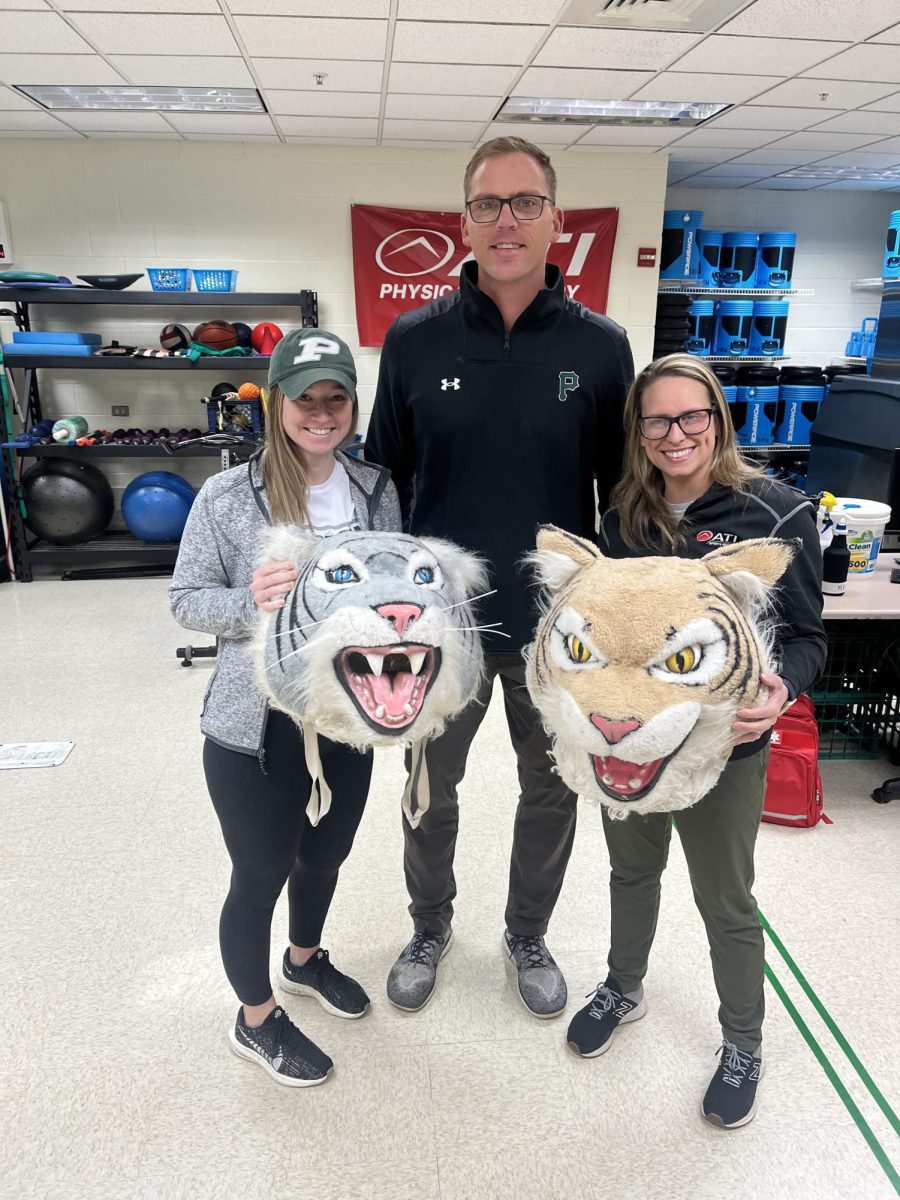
(730,1099)
(337,993)
(591,1029)
(281,1049)
(539,981)
(412,978)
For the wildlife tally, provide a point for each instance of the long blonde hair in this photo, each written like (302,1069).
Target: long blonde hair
(645,519)
(284,472)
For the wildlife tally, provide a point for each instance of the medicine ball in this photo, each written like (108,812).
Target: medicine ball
(67,501)
(265,337)
(216,335)
(155,506)
(174,337)
(243,332)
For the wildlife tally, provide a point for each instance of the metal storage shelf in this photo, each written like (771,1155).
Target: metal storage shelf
(305,300)
(127,362)
(111,544)
(737,359)
(775,448)
(867,285)
(64,450)
(692,289)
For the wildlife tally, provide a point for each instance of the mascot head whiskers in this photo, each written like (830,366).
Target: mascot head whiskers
(639,665)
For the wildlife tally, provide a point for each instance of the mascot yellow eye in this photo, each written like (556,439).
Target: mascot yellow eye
(683,661)
(578,652)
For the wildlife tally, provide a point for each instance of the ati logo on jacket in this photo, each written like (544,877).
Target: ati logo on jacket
(716,539)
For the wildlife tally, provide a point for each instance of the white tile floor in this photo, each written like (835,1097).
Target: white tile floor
(116,1078)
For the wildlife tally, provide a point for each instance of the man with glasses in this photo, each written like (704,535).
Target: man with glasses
(499,408)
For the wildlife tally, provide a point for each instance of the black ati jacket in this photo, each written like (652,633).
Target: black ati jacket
(488,436)
(767,509)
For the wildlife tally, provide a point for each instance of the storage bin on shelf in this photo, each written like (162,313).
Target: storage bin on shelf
(217,280)
(858,697)
(169,279)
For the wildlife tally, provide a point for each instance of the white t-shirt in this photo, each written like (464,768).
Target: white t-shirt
(678,510)
(330,506)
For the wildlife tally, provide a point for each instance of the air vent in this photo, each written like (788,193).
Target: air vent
(682,16)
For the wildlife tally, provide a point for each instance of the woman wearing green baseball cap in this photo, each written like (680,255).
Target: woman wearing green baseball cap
(253,757)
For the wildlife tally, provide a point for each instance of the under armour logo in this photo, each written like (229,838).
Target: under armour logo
(568,382)
(449,383)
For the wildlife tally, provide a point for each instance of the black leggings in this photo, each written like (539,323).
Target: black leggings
(270,840)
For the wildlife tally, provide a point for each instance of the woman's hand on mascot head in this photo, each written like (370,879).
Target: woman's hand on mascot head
(271,583)
(752,723)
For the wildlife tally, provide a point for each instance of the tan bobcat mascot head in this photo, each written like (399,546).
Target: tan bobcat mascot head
(639,665)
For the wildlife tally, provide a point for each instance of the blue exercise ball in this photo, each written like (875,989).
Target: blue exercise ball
(155,506)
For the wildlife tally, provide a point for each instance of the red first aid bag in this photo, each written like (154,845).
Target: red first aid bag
(793,782)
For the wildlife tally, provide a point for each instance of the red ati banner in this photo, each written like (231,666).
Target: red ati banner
(404,257)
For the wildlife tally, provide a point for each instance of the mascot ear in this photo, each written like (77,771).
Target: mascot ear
(751,569)
(560,556)
(288,543)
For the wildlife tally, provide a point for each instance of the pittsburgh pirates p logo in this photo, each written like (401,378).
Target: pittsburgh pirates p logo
(568,382)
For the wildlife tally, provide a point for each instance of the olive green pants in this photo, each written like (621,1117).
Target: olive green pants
(718,835)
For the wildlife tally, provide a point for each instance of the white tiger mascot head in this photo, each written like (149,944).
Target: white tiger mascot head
(639,665)
(377,643)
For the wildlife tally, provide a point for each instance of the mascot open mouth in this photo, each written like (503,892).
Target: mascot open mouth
(388,684)
(627,781)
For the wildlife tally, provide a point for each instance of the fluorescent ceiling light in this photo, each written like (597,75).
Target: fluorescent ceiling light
(608,112)
(144,99)
(887,174)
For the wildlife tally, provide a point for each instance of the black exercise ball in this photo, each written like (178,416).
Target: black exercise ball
(67,501)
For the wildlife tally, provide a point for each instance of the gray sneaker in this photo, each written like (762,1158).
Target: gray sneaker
(539,981)
(413,976)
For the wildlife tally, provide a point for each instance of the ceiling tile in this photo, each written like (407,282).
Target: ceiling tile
(442,108)
(890,103)
(640,49)
(720,181)
(826,142)
(887,146)
(139,6)
(774,157)
(39,33)
(839,93)
(294,37)
(869,62)
(175,70)
(581,147)
(34,5)
(414,145)
(231,137)
(456,131)
(135,33)
(543,135)
(889,35)
(628,135)
(761,116)
(298,74)
(687,167)
(578,83)
(861,158)
(18,119)
(836,18)
(56,68)
(499,12)
(169,135)
(42,133)
(786,185)
(886,124)
(699,154)
(737,139)
(451,79)
(324,141)
(324,104)
(213,123)
(320,8)
(135,122)
(435,41)
(706,88)
(858,185)
(12,99)
(323,127)
(735,168)
(755,56)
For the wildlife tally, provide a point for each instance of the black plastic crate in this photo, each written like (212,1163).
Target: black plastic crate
(858,697)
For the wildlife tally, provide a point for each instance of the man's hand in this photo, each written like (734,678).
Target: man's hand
(271,583)
(752,723)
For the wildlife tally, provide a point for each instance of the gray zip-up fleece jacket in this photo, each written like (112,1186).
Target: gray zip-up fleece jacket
(210,590)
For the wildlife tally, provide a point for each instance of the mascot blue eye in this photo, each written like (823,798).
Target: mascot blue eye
(342,575)
(424,575)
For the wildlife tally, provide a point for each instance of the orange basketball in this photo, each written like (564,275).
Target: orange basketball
(248,391)
(216,335)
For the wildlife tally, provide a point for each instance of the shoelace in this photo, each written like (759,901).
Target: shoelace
(533,951)
(735,1064)
(604,1002)
(422,948)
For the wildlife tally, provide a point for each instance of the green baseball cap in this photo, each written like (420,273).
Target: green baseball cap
(305,356)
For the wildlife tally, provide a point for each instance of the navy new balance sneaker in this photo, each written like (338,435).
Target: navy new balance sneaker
(730,1099)
(591,1029)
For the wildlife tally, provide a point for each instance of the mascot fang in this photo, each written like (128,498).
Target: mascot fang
(376,645)
(639,665)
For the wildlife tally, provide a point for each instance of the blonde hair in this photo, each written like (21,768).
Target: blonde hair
(497,147)
(645,519)
(284,472)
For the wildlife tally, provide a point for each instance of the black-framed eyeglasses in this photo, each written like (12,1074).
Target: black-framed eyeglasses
(489,208)
(698,420)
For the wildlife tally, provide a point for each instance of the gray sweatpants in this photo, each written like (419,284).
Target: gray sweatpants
(718,835)
(545,818)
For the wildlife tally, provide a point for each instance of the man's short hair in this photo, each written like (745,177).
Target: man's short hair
(510,145)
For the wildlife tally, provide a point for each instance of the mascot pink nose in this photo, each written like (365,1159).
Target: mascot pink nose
(401,616)
(614,731)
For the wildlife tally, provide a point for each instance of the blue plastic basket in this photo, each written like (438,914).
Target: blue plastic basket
(215,281)
(169,279)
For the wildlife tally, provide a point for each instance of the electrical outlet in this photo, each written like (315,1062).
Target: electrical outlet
(119,410)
